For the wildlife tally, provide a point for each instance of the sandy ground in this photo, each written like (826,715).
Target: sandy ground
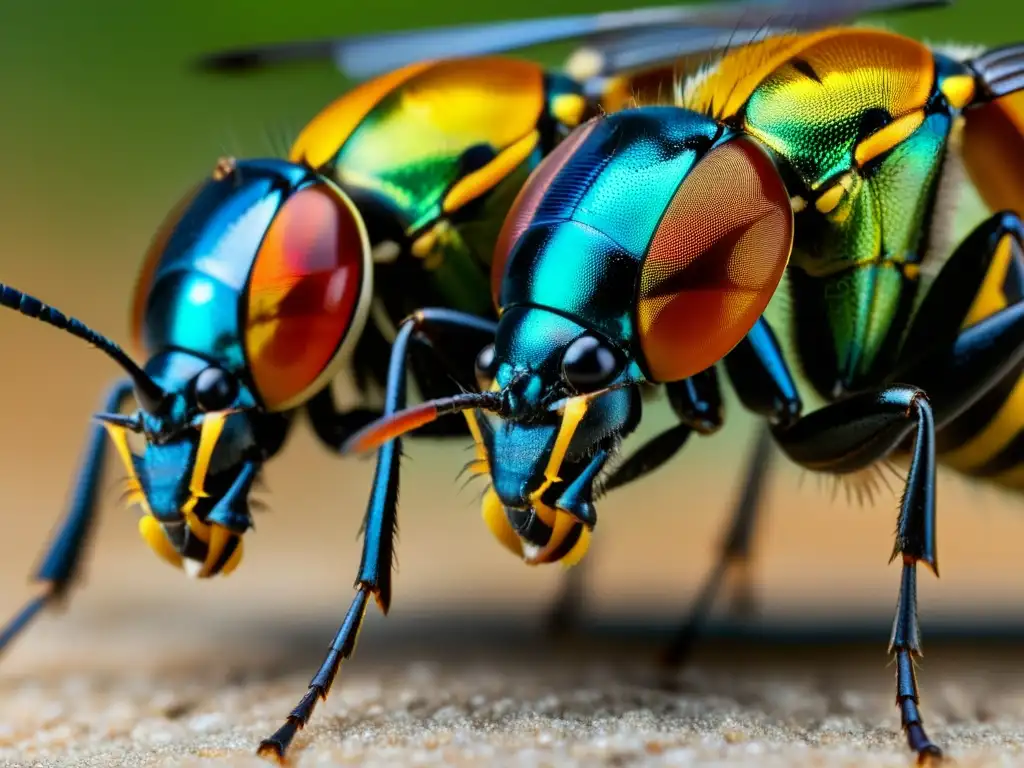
(148,668)
(494,693)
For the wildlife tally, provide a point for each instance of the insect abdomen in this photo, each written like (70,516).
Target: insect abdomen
(987,440)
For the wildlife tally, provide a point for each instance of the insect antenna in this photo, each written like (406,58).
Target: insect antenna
(397,424)
(149,394)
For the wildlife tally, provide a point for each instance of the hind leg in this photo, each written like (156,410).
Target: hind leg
(733,558)
(762,381)
(852,434)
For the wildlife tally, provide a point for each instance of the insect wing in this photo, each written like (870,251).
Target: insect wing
(364,56)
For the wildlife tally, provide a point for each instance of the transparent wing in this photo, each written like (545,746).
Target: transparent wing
(364,56)
(1001,70)
(648,48)
(635,49)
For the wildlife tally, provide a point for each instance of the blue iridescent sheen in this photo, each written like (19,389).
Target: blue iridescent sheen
(583,249)
(576,270)
(193,314)
(197,291)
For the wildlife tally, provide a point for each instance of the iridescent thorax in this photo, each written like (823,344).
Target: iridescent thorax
(437,151)
(858,121)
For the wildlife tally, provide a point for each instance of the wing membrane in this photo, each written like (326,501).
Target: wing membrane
(364,56)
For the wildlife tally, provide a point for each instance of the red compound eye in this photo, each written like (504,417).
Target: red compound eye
(714,262)
(308,294)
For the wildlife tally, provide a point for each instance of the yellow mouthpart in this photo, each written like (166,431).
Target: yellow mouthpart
(216,537)
(213,425)
(119,437)
(562,523)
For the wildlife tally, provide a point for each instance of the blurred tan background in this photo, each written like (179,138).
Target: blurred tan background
(103,128)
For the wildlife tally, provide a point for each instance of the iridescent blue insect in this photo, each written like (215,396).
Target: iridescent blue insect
(600,292)
(256,291)
(262,255)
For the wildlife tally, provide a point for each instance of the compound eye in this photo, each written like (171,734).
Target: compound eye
(589,364)
(486,366)
(215,389)
(715,262)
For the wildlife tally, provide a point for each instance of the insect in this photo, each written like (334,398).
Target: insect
(257,290)
(432,150)
(915,351)
(258,287)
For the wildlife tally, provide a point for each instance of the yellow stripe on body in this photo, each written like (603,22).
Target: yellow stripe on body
(470,187)
(491,509)
(993,438)
(561,523)
(322,137)
(1009,419)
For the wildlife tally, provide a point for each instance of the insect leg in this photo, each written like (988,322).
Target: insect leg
(734,555)
(374,576)
(850,435)
(765,386)
(697,402)
(61,559)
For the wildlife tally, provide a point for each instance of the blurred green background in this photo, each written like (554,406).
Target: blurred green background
(103,125)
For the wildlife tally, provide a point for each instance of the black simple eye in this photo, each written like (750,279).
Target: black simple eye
(215,389)
(589,364)
(486,366)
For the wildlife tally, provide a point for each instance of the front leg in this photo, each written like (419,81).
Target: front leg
(61,561)
(374,576)
(849,436)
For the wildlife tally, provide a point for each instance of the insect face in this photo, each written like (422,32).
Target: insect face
(193,466)
(253,292)
(544,455)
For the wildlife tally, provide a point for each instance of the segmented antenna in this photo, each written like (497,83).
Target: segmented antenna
(147,391)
